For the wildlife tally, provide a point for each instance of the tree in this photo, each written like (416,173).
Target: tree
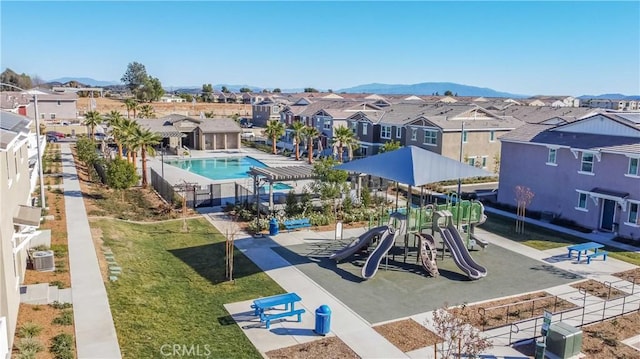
(8,76)
(147,111)
(120,132)
(448,93)
(121,175)
(329,182)
(115,122)
(144,140)
(86,150)
(245,89)
(207,93)
(461,338)
(524,196)
(344,137)
(132,106)
(296,128)
(135,76)
(310,89)
(92,119)
(310,134)
(390,146)
(151,90)
(274,130)
(277,90)
(225,89)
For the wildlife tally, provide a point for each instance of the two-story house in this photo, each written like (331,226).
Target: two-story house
(586,171)
(18,220)
(53,107)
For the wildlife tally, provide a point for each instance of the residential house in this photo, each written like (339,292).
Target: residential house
(53,107)
(18,220)
(266,110)
(171,99)
(554,101)
(610,104)
(586,171)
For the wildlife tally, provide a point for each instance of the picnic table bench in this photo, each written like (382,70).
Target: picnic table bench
(296,223)
(585,247)
(269,303)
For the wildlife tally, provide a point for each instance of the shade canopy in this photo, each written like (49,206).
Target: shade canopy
(413,166)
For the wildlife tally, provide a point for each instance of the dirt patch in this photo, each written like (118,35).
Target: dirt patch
(630,275)
(408,335)
(599,290)
(504,311)
(105,105)
(327,348)
(42,315)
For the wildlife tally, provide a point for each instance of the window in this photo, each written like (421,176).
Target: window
(327,124)
(464,136)
(364,129)
(354,127)
(471,161)
(414,134)
(398,132)
(430,137)
(582,201)
(53,116)
(587,162)
(385,132)
(492,136)
(484,161)
(633,166)
(42,116)
(551,159)
(58,102)
(633,213)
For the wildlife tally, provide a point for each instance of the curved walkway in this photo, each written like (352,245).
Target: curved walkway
(95,332)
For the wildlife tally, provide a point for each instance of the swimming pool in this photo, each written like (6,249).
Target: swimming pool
(219,168)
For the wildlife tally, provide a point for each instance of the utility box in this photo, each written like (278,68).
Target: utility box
(564,340)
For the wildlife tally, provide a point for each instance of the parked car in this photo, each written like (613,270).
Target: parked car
(247,134)
(245,123)
(56,134)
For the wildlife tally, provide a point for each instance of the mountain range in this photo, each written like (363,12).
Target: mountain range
(424,88)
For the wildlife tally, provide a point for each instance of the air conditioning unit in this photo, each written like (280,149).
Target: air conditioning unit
(43,261)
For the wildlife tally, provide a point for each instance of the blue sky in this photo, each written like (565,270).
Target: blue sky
(554,48)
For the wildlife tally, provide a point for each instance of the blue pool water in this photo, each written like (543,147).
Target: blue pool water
(277,186)
(219,168)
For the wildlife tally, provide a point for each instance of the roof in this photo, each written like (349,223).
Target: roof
(163,128)
(537,114)
(13,127)
(289,173)
(413,166)
(219,125)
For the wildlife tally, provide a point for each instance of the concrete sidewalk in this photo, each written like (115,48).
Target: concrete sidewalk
(95,332)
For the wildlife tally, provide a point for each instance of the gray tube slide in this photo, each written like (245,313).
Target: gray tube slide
(371,265)
(357,244)
(482,271)
(457,251)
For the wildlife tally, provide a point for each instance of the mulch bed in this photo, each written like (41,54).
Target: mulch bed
(408,335)
(599,289)
(627,275)
(326,348)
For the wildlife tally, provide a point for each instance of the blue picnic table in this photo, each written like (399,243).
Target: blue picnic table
(288,300)
(584,248)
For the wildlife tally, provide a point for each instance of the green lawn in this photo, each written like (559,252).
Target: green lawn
(172,289)
(542,238)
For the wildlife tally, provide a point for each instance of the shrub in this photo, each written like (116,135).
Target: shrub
(65,318)
(57,283)
(29,345)
(254,227)
(58,305)
(62,346)
(29,330)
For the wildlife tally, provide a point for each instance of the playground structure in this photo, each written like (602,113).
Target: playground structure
(468,215)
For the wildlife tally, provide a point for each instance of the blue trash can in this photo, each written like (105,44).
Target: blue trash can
(323,320)
(273,227)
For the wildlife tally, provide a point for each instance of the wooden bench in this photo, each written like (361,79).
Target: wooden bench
(597,254)
(269,303)
(296,223)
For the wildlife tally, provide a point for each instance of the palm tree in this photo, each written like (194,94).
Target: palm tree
(116,124)
(275,129)
(121,133)
(310,134)
(147,111)
(92,119)
(144,140)
(344,137)
(131,105)
(297,127)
